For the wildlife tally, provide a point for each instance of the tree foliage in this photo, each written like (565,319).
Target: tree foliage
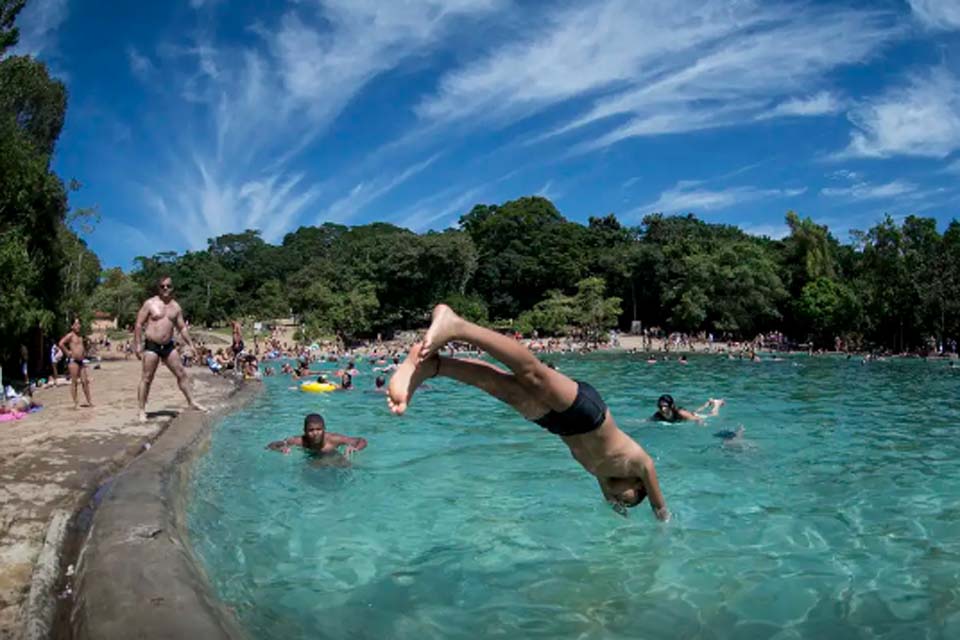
(521,264)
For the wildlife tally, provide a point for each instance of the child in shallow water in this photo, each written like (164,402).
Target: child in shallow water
(571,409)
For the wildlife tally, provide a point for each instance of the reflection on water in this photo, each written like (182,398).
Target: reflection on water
(834,515)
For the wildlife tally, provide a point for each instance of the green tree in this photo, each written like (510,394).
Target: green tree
(593,311)
(270,301)
(9,33)
(525,247)
(118,295)
(829,308)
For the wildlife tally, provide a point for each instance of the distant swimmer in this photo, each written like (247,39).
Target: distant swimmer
(162,316)
(72,345)
(734,440)
(668,411)
(319,441)
(570,409)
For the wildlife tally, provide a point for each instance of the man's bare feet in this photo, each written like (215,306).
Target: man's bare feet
(442,330)
(142,416)
(409,375)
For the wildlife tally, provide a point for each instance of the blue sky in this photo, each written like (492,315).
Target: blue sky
(193,118)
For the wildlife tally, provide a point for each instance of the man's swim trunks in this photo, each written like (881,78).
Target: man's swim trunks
(77,361)
(585,414)
(162,350)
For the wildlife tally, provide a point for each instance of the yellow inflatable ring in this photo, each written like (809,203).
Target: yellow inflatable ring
(317,387)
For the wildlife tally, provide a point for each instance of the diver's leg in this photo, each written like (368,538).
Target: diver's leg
(550,387)
(501,385)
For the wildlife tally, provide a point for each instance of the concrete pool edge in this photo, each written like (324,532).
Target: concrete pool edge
(137,573)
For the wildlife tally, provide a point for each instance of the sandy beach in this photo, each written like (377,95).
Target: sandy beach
(53,460)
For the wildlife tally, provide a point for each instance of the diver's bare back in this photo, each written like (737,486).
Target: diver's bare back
(161,319)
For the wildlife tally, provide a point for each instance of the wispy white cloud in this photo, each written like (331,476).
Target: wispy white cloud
(365,193)
(819,104)
(658,67)
(843,174)
(251,111)
(440,210)
(549,191)
(774,231)
(692,197)
(140,65)
(39,22)
(953,167)
(869,191)
(921,118)
(937,14)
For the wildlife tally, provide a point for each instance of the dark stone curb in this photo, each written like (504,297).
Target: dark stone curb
(137,575)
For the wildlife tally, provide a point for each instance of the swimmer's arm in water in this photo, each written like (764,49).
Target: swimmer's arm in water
(351,444)
(689,415)
(713,404)
(283,445)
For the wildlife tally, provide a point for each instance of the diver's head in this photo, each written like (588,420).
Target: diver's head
(628,498)
(632,496)
(314,429)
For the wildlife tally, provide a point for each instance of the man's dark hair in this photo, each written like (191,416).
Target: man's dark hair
(382,381)
(311,419)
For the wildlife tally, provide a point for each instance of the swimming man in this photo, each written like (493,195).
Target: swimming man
(72,345)
(317,439)
(570,409)
(162,315)
(668,411)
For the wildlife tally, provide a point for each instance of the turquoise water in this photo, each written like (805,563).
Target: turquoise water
(839,519)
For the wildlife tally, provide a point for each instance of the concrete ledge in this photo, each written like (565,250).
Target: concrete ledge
(137,575)
(40,607)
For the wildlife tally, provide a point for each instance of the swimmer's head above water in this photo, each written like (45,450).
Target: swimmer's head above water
(314,429)
(666,407)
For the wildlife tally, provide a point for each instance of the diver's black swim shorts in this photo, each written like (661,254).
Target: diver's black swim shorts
(585,414)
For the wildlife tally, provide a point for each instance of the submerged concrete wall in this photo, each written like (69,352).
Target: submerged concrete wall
(137,574)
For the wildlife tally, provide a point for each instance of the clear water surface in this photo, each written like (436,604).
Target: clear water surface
(840,518)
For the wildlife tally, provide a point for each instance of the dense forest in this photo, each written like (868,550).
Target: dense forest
(523,265)
(520,264)
(46,270)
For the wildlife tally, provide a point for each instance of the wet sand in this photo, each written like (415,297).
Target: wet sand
(52,461)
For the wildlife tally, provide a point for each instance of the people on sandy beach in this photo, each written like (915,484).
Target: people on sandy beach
(319,441)
(56,355)
(72,345)
(668,411)
(570,409)
(162,315)
(237,345)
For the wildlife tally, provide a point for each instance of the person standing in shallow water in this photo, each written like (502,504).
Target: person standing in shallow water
(568,408)
(72,345)
(162,315)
